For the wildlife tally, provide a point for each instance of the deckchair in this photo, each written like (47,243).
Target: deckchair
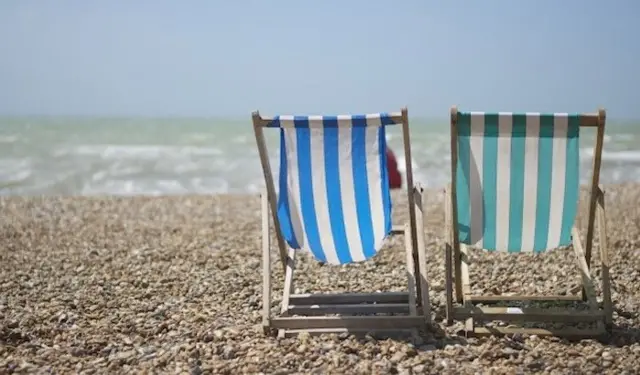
(515,188)
(334,202)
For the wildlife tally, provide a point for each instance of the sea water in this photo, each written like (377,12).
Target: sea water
(165,156)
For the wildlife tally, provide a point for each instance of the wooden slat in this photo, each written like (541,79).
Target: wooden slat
(568,332)
(397,229)
(528,314)
(348,298)
(505,298)
(355,322)
(384,308)
(354,331)
(263,121)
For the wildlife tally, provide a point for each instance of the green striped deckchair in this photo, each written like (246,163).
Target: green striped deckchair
(516,189)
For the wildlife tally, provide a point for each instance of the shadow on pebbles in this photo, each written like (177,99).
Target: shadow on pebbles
(173,285)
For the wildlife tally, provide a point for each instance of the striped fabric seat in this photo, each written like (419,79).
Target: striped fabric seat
(334,197)
(517,180)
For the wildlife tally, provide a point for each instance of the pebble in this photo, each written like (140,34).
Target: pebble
(170,285)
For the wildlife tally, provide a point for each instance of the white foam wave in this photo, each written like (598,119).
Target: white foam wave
(14,170)
(136,151)
(198,137)
(241,139)
(133,187)
(8,138)
(221,163)
(210,185)
(623,137)
(620,156)
(116,170)
(128,187)
(402,164)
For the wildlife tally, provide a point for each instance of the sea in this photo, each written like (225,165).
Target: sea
(86,156)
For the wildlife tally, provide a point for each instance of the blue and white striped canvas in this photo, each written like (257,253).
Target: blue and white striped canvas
(334,198)
(517,180)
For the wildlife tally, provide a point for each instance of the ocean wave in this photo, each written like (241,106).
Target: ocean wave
(630,156)
(128,187)
(110,151)
(229,163)
(14,170)
(9,138)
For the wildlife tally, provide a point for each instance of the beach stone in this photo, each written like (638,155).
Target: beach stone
(164,285)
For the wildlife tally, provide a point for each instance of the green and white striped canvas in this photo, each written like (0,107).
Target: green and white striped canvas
(517,180)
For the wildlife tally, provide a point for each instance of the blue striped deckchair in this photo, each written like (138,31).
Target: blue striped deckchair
(516,189)
(334,202)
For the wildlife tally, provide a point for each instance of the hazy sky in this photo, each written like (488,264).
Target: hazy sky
(227,58)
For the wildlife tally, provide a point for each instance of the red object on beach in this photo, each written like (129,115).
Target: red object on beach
(395,179)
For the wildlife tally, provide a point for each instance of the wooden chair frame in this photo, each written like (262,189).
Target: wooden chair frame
(318,310)
(460,267)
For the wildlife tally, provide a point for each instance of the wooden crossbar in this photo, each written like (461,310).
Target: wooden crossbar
(356,322)
(348,298)
(528,314)
(358,308)
(264,121)
(568,332)
(388,332)
(508,298)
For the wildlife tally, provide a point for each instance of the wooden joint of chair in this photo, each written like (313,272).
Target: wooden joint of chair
(418,196)
(602,116)
(417,187)
(464,257)
(454,115)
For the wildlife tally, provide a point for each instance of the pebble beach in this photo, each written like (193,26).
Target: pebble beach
(173,285)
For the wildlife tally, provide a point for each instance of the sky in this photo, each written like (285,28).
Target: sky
(228,58)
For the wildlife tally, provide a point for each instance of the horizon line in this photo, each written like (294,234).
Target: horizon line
(219,117)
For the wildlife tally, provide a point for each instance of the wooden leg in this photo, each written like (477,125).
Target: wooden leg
(457,264)
(411,276)
(587,281)
(604,258)
(421,265)
(417,210)
(266,265)
(288,285)
(466,286)
(591,215)
(447,257)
